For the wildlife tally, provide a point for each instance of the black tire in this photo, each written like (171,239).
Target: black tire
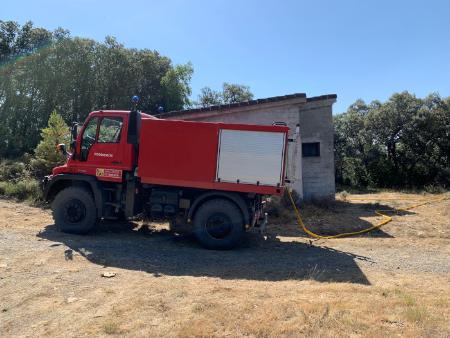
(219,225)
(74,211)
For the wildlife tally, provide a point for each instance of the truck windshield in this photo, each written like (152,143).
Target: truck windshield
(89,136)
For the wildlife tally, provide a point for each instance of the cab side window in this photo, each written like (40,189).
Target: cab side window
(110,130)
(89,136)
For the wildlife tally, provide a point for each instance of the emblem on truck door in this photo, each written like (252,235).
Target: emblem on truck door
(112,173)
(103,154)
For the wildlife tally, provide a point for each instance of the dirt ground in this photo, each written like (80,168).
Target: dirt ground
(395,281)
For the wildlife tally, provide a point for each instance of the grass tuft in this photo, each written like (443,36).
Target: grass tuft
(111,327)
(409,300)
(343,195)
(416,314)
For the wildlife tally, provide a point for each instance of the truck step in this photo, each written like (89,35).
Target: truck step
(261,227)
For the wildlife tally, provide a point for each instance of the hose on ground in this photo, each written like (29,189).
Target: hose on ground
(386,219)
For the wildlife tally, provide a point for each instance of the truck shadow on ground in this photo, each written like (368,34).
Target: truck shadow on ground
(335,217)
(161,252)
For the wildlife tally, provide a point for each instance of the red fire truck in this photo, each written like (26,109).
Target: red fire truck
(213,176)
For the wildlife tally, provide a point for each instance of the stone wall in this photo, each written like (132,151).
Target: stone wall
(316,125)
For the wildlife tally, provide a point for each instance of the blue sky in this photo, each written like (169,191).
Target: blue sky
(355,49)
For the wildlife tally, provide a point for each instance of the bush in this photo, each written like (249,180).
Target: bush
(26,188)
(343,195)
(46,155)
(286,201)
(10,170)
(18,177)
(281,207)
(434,189)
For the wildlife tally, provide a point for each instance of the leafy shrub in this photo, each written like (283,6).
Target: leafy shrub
(46,154)
(434,189)
(343,195)
(286,202)
(10,170)
(26,188)
(17,178)
(281,207)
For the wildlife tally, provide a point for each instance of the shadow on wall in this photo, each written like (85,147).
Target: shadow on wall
(133,247)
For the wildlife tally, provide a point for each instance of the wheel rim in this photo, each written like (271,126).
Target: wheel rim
(218,226)
(74,211)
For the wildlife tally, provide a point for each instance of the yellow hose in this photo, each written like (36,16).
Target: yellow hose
(386,219)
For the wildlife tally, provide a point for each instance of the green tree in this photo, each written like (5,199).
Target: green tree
(209,97)
(42,71)
(46,154)
(233,93)
(390,122)
(401,143)
(176,89)
(21,49)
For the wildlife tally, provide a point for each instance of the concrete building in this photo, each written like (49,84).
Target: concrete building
(312,159)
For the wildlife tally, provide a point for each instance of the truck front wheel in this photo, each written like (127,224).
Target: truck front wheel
(74,211)
(219,224)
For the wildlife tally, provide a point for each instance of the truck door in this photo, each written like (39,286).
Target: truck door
(101,148)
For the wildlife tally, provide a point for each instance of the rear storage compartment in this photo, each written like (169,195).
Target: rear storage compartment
(253,157)
(220,156)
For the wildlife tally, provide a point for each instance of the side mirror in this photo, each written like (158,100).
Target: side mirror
(74,131)
(62,149)
(73,137)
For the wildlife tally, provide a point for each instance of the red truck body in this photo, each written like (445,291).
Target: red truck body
(183,153)
(213,175)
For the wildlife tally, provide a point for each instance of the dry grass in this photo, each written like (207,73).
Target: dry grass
(271,288)
(111,327)
(286,309)
(350,213)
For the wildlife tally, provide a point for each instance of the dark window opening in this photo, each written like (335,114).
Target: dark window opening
(311,149)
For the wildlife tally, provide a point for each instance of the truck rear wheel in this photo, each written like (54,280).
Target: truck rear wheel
(74,211)
(219,224)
